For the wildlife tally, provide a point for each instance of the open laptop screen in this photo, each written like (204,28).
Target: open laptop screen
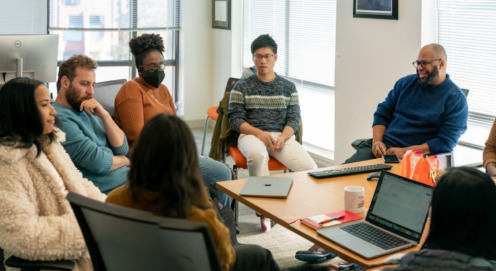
(400,205)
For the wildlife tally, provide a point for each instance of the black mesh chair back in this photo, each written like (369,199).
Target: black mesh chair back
(120,238)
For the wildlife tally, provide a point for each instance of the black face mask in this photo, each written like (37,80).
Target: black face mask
(154,78)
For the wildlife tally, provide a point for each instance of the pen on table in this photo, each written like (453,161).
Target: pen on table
(331,219)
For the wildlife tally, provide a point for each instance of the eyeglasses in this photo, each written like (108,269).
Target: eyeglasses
(423,63)
(154,68)
(259,57)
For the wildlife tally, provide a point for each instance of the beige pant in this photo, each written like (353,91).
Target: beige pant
(292,154)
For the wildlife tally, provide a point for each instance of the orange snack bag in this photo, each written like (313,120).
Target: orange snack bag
(419,168)
(421,172)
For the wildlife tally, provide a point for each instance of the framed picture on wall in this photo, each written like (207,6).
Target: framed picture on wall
(377,9)
(221,14)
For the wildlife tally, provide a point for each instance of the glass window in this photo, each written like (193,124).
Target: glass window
(71,2)
(75,21)
(96,22)
(102,30)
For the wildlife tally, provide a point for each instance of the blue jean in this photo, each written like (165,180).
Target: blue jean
(214,171)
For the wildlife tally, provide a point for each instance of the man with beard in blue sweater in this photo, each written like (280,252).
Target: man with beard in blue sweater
(424,112)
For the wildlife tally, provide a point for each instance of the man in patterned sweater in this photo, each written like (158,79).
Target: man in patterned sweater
(264,109)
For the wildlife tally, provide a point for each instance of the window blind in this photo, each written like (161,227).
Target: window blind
(467,30)
(305,32)
(102,29)
(23,17)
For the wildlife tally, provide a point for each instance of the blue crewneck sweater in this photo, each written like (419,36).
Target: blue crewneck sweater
(414,114)
(87,145)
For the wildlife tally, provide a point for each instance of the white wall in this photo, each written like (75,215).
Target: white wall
(196,59)
(371,54)
(226,51)
(210,56)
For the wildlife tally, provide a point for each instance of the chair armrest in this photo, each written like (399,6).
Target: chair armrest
(357,142)
(446,160)
(475,165)
(38,265)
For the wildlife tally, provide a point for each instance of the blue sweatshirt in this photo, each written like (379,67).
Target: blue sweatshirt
(268,106)
(413,114)
(87,145)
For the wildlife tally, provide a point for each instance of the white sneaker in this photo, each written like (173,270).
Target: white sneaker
(266,223)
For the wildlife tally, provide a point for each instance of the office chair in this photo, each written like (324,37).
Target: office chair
(213,113)
(120,238)
(240,161)
(446,159)
(105,92)
(26,265)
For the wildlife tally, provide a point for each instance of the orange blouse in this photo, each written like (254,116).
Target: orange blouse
(489,154)
(137,102)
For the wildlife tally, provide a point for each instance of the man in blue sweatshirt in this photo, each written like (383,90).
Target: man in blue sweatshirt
(425,112)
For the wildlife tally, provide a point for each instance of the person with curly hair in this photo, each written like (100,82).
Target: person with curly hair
(140,99)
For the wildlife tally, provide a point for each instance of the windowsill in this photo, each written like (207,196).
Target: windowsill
(322,157)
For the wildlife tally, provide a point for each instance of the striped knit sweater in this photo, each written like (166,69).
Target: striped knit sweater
(268,106)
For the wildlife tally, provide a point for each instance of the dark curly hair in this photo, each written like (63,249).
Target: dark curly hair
(141,45)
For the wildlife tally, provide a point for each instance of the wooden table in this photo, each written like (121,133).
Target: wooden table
(309,197)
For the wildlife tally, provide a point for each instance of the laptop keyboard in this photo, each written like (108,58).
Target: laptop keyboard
(348,171)
(374,236)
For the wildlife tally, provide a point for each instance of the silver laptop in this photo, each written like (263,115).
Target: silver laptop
(270,187)
(395,220)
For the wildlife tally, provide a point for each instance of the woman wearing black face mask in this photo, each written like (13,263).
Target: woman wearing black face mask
(144,97)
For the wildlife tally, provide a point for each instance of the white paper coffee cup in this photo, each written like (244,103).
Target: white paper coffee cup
(354,199)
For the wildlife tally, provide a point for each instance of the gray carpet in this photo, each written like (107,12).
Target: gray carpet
(282,242)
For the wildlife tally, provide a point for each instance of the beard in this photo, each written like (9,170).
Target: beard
(429,79)
(73,99)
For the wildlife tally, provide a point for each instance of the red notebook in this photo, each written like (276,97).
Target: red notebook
(320,221)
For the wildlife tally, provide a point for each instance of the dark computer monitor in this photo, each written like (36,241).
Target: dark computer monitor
(32,56)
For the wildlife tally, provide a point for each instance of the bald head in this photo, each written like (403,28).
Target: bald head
(438,50)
